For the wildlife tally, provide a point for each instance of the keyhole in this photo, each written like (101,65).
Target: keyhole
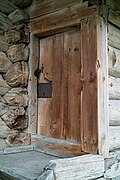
(43,93)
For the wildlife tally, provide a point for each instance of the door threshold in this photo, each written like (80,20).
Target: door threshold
(56,147)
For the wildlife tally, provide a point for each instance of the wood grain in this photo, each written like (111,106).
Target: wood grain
(59,116)
(113,36)
(40,7)
(89,116)
(114,112)
(72,57)
(66,17)
(76,167)
(32,84)
(114,88)
(114,61)
(44,104)
(114,137)
(102,75)
(56,123)
(60,148)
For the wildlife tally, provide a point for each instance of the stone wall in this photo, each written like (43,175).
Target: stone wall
(14,55)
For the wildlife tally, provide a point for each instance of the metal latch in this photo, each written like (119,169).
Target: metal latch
(38,71)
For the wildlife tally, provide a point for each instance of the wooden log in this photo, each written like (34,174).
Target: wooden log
(21,3)
(114,88)
(114,61)
(114,18)
(40,7)
(114,9)
(82,167)
(7,7)
(115,72)
(66,17)
(18,16)
(114,137)
(114,112)
(61,148)
(113,36)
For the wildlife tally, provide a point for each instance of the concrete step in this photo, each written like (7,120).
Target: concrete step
(27,165)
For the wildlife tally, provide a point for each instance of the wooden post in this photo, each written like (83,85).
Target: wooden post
(32,83)
(102,66)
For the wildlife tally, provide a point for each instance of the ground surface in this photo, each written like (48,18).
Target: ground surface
(24,165)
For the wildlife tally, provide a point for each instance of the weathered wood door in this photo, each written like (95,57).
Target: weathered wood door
(59,116)
(70,116)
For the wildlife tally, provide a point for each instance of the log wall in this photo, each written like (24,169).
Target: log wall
(114,86)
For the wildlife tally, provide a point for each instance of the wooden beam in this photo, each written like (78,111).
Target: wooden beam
(83,167)
(66,17)
(102,66)
(89,119)
(114,11)
(114,88)
(32,84)
(40,7)
(113,36)
(57,147)
(114,137)
(114,112)
(114,62)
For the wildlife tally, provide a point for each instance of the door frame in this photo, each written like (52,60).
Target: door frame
(102,83)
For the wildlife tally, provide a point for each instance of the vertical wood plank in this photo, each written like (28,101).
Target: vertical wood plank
(72,57)
(56,124)
(103,103)
(89,116)
(45,104)
(32,84)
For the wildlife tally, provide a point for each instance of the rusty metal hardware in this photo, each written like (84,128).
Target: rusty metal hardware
(38,71)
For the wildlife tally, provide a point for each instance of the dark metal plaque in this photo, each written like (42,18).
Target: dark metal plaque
(44,90)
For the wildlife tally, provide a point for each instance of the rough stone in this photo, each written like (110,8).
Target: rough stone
(17,74)
(18,52)
(22,138)
(18,16)
(1,32)
(3,44)
(3,143)
(117,152)
(5,63)
(4,87)
(21,3)
(113,172)
(17,34)
(15,118)
(5,130)
(4,22)
(2,100)
(3,109)
(7,6)
(112,159)
(17,96)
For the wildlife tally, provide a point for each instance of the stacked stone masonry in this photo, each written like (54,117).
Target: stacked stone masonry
(14,55)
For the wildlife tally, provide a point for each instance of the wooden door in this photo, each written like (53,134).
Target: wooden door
(69,119)
(59,117)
